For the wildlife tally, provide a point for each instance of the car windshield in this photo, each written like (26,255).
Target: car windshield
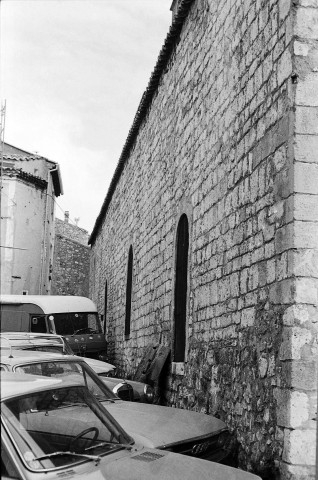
(61,426)
(42,348)
(76,323)
(78,371)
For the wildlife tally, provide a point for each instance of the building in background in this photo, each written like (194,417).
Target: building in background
(29,185)
(70,275)
(207,241)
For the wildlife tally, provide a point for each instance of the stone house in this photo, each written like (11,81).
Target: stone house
(71,259)
(29,185)
(207,240)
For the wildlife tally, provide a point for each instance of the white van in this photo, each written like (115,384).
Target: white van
(76,318)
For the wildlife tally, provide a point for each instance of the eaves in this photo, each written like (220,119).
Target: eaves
(144,106)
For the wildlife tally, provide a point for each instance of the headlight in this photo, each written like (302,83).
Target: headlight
(149,393)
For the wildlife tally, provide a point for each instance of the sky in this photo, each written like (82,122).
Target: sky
(72,75)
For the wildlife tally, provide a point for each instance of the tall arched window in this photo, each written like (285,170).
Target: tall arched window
(180,292)
(128,291)
(105,306)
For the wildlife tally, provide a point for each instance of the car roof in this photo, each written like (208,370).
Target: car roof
(52,303)
(8,339)
(30,336)
(14,384)
(15,357)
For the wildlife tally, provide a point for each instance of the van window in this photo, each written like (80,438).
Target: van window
(76,323)
(12,320)
(38,324)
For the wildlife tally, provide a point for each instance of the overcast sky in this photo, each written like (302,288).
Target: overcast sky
(72,75)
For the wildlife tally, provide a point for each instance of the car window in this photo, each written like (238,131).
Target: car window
(38,324)
(49,369)
(72,370)
(45,348)
(58,427)
(8,469)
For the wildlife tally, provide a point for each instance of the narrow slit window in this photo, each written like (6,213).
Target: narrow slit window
(128,292)
(181,286)
(105,306)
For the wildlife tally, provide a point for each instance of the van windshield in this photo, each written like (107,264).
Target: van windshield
(76,323)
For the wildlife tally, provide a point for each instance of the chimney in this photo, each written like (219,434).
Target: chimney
(66,217)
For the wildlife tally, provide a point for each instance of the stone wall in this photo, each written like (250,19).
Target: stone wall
(230,139)
(70,275)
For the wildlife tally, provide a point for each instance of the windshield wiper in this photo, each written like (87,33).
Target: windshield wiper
(101,398)
(110,444)
(96,458)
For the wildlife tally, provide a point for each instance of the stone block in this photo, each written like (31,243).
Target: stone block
(297,472)
(307,90)
(306,290)
(305,235)
(285,67)
(296,315)
(281,266)
(282,397)
(302,374)
(248,317)
(306,120)
(292,408)
(306,24)
(306,177)
(301,48)
(305,207)
(299,409)
(304,263)
(293,341)
(281,293)
(300,447)
(306,147)
(262,367)
(283,186)
(283,9)
(308,3)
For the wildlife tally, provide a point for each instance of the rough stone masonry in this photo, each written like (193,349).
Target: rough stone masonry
(226,133)
(70,275)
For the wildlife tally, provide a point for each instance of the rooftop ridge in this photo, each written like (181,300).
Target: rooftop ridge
(144,105)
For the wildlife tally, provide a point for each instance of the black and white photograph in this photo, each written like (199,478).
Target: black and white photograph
(159,239)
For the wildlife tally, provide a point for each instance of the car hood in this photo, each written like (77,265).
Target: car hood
(98,366)
(155,465)
(156,426)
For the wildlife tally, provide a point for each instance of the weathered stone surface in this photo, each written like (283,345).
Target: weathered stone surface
(71,260)
(230,140)
(300,447)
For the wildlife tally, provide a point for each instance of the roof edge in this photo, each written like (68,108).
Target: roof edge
(144,105)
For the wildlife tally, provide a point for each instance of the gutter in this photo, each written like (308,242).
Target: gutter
(144,106)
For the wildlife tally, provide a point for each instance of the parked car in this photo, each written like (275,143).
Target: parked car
(68,315)
(55,428)
(170,429)
(127,390)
